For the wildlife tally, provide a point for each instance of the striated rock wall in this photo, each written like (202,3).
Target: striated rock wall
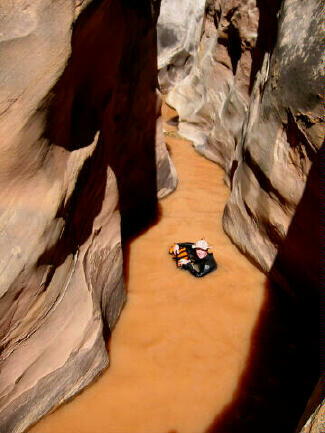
(275,182)
(78,113)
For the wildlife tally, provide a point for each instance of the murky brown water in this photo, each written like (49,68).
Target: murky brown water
(181,344)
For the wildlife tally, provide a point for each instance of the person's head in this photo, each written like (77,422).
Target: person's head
(201,248)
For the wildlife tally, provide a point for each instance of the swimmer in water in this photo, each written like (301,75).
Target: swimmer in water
(194,257)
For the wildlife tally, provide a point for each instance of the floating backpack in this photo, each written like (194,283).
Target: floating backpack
(182,254)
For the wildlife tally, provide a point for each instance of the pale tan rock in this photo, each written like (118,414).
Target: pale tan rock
(212,99)
(275,184)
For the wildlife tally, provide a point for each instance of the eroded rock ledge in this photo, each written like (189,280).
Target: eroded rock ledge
(78,104)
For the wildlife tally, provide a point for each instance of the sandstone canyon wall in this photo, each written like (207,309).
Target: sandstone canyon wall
(253,101)
(78,128)
(275,183)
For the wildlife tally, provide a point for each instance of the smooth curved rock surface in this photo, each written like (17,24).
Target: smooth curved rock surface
(212,99)
(179,29)
(78,128)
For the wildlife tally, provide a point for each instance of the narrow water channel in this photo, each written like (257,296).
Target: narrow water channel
(181,344)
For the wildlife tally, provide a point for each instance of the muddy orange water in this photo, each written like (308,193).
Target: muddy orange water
(181,343)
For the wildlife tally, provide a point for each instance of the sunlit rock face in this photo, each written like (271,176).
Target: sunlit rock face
(78,126)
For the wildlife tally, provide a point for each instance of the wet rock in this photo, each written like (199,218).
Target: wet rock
(77,125)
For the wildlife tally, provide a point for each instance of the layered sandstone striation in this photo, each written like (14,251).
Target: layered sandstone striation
(78,127)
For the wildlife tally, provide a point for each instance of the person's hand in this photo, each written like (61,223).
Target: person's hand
(176,249)
(184,262)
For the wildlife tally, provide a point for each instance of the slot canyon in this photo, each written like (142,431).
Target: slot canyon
(126,127)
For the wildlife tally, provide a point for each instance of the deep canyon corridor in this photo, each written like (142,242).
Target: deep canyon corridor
(219,354)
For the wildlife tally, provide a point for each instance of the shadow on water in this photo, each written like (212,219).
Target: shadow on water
(141,229)
(283,366)
(281,370)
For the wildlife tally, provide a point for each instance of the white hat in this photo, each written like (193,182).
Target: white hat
(201,244)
